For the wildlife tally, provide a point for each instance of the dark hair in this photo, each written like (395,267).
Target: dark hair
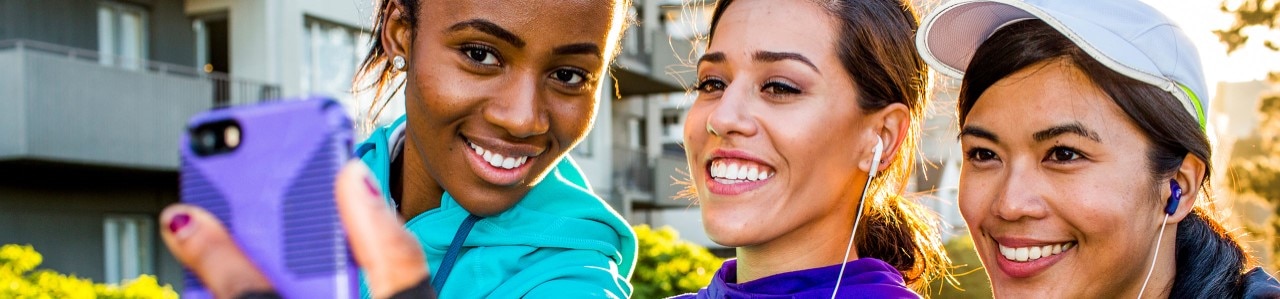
(1209,260)
(876,47)
(378,65)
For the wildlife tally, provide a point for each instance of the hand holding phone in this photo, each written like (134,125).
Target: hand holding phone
(266,172)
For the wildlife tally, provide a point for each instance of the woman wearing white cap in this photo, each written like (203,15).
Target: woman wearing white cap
(1086,160)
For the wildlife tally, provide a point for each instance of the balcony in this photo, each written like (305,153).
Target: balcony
(653,62)
(66,105)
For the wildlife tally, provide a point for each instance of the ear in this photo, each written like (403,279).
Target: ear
(397,33)
(1189,176)
(891,124)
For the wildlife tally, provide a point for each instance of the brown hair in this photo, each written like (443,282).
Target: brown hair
(1209,260)
(876,47)
(377,65)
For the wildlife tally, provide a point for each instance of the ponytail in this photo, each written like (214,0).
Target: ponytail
(904,234)
(1210,261)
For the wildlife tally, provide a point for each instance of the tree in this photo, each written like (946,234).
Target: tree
(668,266)
(19,278)
(1250,14)
(971,277)
(1255,172)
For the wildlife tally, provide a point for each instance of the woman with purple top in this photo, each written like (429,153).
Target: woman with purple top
(800,141)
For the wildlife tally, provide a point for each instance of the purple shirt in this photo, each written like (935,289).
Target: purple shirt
(863,278)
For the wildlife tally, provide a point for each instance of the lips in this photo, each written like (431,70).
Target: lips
(1031,253)
(499,162)
(1023,258)
(733,172)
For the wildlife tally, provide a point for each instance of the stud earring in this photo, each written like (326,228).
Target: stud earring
(398,62)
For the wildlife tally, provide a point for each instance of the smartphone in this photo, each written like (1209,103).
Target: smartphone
(267,172)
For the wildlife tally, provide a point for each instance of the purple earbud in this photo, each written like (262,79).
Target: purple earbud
(1173,198)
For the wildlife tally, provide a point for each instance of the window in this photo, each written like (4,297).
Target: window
(122,35)
(127,244)
(332,55)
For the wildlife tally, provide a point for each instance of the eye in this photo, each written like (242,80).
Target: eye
(980,155)
(481,54)
(780,88)
(1062,154)
(710,85)
(570,77)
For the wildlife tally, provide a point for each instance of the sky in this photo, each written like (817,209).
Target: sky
(1198,18)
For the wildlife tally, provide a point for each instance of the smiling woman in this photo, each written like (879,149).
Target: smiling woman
(1086,158)
(496,94)
(799,145)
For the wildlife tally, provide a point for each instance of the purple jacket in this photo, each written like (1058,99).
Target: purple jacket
(863,278)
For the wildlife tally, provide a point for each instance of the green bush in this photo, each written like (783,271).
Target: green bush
(669,266)
(19,278)
(971,278)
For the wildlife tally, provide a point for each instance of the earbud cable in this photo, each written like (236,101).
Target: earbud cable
(1155,257)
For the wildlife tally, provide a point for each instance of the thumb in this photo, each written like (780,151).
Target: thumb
(201,243)
(391,257)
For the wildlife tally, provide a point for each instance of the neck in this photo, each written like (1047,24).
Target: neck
(419,191)
(810,246)
(1162,275)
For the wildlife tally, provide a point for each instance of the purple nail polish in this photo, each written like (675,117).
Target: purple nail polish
(373,187)
(178,222)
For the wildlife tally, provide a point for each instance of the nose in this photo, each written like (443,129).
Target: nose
(1021,196)
(520,109)
(732,113)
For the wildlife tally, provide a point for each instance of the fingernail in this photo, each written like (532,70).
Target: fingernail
(373,187)
(178,222)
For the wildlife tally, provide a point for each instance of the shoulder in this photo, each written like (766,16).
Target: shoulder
(1257,283)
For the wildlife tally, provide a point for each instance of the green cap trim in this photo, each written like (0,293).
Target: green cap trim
(1195,103)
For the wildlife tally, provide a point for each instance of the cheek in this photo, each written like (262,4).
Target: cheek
(974,196)
(572,118)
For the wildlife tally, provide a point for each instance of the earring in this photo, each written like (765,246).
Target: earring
(398,62)
(711,130)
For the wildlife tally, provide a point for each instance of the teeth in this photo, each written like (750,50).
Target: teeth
(498,160)
(1025,254)
(737,171)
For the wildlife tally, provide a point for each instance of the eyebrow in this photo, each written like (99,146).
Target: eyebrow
(490,28)
(715,57)
(978,132)
(577,49)
(766,56)
(1071,128)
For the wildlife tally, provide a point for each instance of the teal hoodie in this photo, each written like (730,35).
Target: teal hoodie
(560,241)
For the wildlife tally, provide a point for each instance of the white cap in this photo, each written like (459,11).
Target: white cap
(1127,36)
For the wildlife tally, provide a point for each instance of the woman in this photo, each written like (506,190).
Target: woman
(1086,159)
(495,95)
(793,101)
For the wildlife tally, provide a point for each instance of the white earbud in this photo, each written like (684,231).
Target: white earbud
(878,152)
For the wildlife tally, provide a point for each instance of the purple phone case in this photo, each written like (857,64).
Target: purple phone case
(275,194)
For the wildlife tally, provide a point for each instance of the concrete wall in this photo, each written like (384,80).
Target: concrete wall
(12,106)
(82,112)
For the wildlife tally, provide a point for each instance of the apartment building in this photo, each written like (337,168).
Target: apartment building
(94,95)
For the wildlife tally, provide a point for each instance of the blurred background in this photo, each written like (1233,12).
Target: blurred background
(95,93)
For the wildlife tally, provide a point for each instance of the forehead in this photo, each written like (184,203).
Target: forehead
(784,26)
(1048,94)
(532,20)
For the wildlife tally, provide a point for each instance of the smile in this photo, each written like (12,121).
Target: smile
(735,171)
(498,160)
(1026,254)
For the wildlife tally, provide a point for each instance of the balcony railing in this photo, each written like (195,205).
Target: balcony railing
(227,91)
